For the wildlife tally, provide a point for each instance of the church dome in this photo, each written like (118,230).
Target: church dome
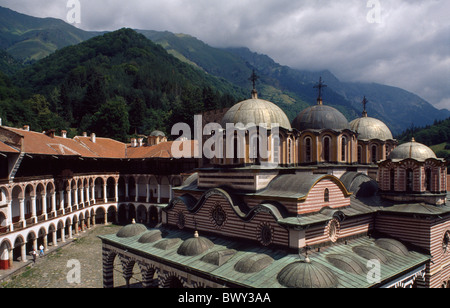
(307,275)
(256,111)
(370,128)
(195,246)
(320,117)
(131,230)
(414,150)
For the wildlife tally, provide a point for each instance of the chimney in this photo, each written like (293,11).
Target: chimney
(133,142)
(93,138)
(64,133)
(84,134)
(50,133)
(26,127)
(140,141)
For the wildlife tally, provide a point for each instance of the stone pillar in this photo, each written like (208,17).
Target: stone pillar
(9,216)
(147,198)
(116,192)
(105,195)
(45,239)
(93,193)
(55,239)
(23,253)
(88,200)
(44,206)
(22,210)
(33,208)
(136,197)
(159,193)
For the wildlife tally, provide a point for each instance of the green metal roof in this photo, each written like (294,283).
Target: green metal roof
(226,272)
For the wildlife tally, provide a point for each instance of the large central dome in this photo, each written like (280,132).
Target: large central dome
(256,111)
(320,117)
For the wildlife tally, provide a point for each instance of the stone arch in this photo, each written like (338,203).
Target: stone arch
(172,281)
(17,249)
(100,215)
(141,214)
(165,190)
(111,188)
(5,254)
(149,275)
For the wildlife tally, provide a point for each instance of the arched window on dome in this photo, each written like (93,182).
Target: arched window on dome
(326,195)
(428,179)
(276,149)
(392,179)
(374,153)
(308,149)
(359,154)
(289,151)
(409,180)
(344,149)
(326,148)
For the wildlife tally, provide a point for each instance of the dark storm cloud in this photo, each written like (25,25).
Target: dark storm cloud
(408,46)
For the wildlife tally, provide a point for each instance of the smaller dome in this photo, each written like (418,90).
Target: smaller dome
(220,257)
(131,230)
(253,263)
(157,133)
(307,275)
(150,237)
(348,263)
(371,253)
(392,246)
(195,246)
(320,117)
(167,244)
(414,150)
(371,128)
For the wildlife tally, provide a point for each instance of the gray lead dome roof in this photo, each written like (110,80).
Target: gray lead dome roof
(256,111)
(371,128)
(320,117)
(414,150)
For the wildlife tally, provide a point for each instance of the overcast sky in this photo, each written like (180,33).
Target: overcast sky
(404,43)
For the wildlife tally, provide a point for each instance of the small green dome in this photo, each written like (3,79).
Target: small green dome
(150,236)
(131,230)
(306,275)
(253,263)
(195,246)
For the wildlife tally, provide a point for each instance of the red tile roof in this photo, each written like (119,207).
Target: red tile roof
(48,144)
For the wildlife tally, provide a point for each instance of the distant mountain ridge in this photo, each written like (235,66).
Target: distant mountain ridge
(29,39)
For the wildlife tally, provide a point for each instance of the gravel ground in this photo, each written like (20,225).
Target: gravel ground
(55,269)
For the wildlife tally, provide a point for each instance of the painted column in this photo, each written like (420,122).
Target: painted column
(159,193)
(105,196)
(116,192)
(136,197)
(55,239)
(22,210)
(147,198)
(23,253)
(88,200)
(93,193)
(53,202)
(44,206)
(33,208)
(9,216)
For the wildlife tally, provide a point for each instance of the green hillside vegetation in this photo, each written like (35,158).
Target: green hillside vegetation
(115,85)
(436,136)
(30,39)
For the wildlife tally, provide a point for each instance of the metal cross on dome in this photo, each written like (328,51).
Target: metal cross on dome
(253,78)
(365,102)
(320,86)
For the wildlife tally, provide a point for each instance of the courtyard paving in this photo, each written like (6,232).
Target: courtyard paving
(53,270)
